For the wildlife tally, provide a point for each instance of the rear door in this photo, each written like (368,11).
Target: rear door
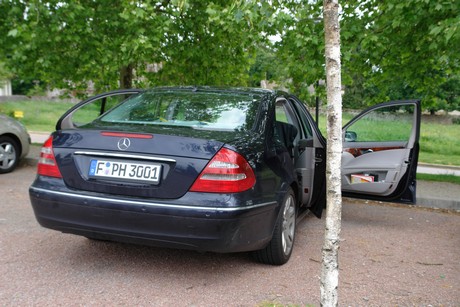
(311,162)
(380,152)
(306,149)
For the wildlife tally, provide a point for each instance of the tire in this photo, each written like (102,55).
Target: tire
(9,154)
(279,249)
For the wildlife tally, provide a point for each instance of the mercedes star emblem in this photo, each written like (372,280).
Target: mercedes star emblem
(123,143)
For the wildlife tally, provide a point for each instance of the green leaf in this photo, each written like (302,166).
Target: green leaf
(13,33)
(436,30)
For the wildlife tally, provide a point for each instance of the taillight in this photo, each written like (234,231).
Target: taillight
(47,165)
(227,172)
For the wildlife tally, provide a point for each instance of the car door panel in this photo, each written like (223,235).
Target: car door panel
(291,130)
(385,168)
(305,169)
(380,153)
(310,162)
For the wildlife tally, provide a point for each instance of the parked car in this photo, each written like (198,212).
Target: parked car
(209,169)
(14,143)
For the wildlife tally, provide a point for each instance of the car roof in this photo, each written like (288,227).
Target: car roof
(242,90)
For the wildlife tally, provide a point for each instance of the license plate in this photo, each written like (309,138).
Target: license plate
(125,170)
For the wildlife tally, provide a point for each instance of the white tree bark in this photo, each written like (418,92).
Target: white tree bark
(330,268)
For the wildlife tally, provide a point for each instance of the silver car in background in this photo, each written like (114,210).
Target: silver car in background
(14,143)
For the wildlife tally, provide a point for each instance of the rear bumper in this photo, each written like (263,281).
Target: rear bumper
(174,225)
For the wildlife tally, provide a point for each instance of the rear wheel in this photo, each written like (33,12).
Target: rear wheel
(9,154)
(279,250)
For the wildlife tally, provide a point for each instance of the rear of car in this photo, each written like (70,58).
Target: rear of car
(171,167)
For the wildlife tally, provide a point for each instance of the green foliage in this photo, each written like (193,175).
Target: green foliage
(68,43)
(4,72)
(390,50)
(266,66)
(210,44)
(22,86)
(301,49)
(403,48)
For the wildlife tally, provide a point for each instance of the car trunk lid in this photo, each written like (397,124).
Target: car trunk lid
(131,164)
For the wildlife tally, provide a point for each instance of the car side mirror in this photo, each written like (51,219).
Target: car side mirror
(350,136)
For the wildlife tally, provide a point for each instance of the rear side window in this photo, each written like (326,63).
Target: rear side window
(198,110)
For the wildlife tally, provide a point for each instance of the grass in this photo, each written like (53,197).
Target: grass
(439,144)
(38,115)
(439,178)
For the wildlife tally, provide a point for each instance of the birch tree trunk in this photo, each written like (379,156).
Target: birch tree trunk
(330,269)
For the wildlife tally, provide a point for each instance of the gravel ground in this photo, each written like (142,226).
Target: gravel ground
(390,256)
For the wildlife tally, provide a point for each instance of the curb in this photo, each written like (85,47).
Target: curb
(449,204)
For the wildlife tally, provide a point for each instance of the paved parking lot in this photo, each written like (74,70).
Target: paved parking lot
(389,255)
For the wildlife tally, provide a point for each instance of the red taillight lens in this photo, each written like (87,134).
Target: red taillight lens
(47,165)
(227,172)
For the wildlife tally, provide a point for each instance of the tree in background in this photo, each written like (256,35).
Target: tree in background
(390,50)
(266,66)
(212,43)
(401,48)
(300,48)
(112,43)
(4,73)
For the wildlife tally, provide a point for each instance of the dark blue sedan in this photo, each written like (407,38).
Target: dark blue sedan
(209,169)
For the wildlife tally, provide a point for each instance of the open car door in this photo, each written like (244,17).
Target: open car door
(380,152)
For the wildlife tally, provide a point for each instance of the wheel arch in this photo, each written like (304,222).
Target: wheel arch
(296,189)
(15,139)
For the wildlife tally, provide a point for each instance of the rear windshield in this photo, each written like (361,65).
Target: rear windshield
(198,110)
